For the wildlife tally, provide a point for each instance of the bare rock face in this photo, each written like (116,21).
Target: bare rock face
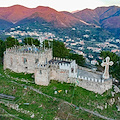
(118,104)
(119,99)
(113,93)
(32,116)
(116,89)
(111,101)
(56,118)
(118,107)
(100,107)
(105,105)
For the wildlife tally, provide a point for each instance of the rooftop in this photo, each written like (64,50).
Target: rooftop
(32,48)
(27,49)
(89,74)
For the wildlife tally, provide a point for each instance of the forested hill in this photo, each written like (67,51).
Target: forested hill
(103,17)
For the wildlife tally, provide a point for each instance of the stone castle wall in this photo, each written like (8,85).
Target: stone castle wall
(25,61)
(37,63)
(42,75)
(54,73)
(58,74)
(45,73)
(97,87)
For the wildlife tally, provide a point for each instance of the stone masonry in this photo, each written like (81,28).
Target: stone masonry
(40,61)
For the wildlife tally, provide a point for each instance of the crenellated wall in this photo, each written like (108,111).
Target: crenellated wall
(59,69)
(62,75)
(95,86)
(25,61)
(62,59)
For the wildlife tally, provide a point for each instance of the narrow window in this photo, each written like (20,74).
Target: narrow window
(24,60)
(72,70)
(26,67)
(11,60)
(36,61)
(40,71)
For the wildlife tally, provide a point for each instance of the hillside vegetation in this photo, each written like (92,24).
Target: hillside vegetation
(43,103)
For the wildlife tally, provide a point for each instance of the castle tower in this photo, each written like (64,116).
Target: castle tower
(42,75)
(25,58)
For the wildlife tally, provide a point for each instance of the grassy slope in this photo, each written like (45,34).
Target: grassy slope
(47,108)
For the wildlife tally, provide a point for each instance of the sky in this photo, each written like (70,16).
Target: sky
(61,5)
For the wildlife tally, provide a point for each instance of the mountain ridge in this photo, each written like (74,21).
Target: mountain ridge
(98,15)
(17,13)
(104,17)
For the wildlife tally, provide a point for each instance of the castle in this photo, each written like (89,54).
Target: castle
(31,59)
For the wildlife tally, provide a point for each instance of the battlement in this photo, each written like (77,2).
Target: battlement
(43,66)
(91,79)
(27,49)
(37,60)
(62,59)
(61,63)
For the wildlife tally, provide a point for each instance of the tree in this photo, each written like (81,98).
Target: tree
(112,56)
(31,41)
(59,49)
(79,58)
(2,49)
(47,44)
(10,42)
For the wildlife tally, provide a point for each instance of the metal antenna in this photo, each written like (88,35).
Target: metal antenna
(49,44)
(27,40)
(44,44)
(15,42)
(5,44)
(31,41)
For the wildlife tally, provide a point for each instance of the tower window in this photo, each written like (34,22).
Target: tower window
(72,70)
(11,61)
(40,71)
(36,61)
(24,60)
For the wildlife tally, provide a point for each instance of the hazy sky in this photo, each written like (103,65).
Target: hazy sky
(61,5)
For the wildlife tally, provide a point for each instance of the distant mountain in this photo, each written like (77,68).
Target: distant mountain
(14,13)
(105,17)
(5,24)
(20,14)
(55,18)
